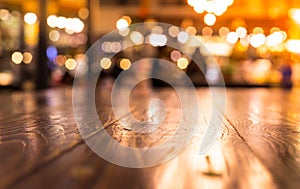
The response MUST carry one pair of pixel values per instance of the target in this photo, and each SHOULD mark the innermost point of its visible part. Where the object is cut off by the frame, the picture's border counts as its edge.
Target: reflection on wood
(40, 146)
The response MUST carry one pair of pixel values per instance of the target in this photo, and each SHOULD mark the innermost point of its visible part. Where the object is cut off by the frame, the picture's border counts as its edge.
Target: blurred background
(255, 42)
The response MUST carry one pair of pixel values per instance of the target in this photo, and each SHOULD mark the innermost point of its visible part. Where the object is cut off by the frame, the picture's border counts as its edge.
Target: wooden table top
(40, 146)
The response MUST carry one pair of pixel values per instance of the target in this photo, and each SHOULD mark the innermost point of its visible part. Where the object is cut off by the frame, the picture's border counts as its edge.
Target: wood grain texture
(40, 146)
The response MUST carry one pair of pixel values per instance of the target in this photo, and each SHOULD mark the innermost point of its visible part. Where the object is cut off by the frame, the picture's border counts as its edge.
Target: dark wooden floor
(40, 146)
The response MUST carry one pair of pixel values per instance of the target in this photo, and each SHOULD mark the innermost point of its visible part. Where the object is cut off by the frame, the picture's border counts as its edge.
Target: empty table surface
(259, 145)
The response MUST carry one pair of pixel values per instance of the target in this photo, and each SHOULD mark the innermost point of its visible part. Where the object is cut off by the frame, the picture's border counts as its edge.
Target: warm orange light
(207, 31)
(191, 30)
(258, 30)
(27, 57)
(125, 64)
(210, 19)
(223, 31)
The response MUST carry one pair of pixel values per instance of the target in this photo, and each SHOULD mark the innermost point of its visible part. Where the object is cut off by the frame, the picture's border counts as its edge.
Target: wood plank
(29, 141)
(269, 126)
(258, 148)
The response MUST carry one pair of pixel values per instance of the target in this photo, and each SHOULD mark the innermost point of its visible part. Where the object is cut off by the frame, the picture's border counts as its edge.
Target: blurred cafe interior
(255, 42)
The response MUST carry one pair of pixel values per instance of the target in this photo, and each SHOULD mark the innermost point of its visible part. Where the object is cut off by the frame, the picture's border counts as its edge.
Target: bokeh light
(207, 31)
(70, 64)
(257, 40)
(175, 55)
(51, 21)
(125, 64)
(105, 63)
(223, 31)
(4, 14)
(27, 57)
(232, 37)
(17, 57)
(182, 63)
(183, 37)
(83, 13)
(137, 38)
(30, 18)
(173, 31)
(54, 35)
(241, 31)
(122, 24)
(210, 19)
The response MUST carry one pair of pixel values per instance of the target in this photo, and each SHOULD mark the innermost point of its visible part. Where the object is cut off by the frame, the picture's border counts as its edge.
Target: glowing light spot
(173, 31)
(27, 57)
(284, 34)
(232, 37)
(30, 18)
(183, 37)
(83, 13)
(223, 31)
(293, 45)
(192, 2)
(70, 64)
(54, 35)
(105, 63)
(6, 78)
(51, 52)
(60, 60)
(191, 30)
(157, 40)
(69, 27)
(212, 75)
(295, 15)
(241, 31)
(157, 30)
(207, 31)
(78, 25)
(219, 9)
(61, 22)
(199, 8)
(175, 55)
(209, 6)
(229, 2)
(274, 29)
(257, 40)
(122, 24)
(182, 63)
(116, 47)
(137, 38)
(274, 39)
(210, 19)
(17, 57)
(258, 30)
(4, 14)
(124, 32)
(127, 18)
(125, 64)
(106, 46)
(51, 21)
